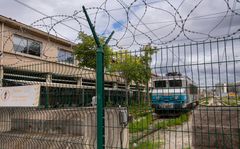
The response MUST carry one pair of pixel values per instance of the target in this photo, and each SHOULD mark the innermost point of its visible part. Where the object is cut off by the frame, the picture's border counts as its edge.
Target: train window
(160, 84)
(175, 83)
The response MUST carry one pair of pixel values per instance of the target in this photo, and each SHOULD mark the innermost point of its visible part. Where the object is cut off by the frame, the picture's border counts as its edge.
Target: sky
(136, 23)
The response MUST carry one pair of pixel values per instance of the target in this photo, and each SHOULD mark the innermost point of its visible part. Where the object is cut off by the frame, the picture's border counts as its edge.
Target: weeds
(172, 122)
(140, 124)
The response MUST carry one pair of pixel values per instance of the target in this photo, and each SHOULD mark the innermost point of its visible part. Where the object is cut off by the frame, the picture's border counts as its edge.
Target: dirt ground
(177, 137)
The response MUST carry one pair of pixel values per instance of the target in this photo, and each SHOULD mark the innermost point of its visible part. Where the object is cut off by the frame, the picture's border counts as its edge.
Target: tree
(86, 51)
(147, 59)
(133, 68)
(124, 64)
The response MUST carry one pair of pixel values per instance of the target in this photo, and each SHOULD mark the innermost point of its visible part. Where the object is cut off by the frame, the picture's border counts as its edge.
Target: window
(65, 56)
(175, 83)
(160, 84)
(25, 45)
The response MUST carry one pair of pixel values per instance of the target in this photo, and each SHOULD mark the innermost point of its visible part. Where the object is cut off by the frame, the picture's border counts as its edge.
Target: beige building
(31, 56)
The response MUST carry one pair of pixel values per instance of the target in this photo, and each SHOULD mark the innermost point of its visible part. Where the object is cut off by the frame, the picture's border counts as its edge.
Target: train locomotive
(173, 92)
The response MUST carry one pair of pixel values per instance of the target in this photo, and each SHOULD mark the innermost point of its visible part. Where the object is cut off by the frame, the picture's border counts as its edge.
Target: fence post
(99, 85)
(1, 74)
(1, 56)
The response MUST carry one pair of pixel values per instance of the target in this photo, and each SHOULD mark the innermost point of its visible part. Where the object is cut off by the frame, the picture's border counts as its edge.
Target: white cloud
(154, 22)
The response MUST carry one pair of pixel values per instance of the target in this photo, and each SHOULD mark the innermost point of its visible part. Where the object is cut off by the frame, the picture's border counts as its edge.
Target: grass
(147, 145)
(144, 122)
(140, 124)
(231, 101)
(137, 110)
(172, 122)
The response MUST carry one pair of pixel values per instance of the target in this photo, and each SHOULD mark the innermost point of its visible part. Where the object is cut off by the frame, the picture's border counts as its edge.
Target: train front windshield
(168, 84)
(160, 84)
(168, 88)
(175, 83)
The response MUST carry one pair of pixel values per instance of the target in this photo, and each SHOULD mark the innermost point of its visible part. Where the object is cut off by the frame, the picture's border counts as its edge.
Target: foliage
(128, 66)
(132, 67)
(86, 51)
(231, 101)
(109, 103)
(172, 122)
(140, 124)
(148, 51)
(136, 112)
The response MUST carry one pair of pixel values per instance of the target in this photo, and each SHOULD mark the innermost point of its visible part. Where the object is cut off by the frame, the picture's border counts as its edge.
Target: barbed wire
(133, 20)
(133, 28)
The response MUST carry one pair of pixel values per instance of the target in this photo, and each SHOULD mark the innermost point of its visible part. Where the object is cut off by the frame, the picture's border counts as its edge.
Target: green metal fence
(142, 119)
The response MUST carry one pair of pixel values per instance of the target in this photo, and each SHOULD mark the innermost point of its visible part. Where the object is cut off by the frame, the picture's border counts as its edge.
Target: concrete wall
(76, 126)
(216, 127)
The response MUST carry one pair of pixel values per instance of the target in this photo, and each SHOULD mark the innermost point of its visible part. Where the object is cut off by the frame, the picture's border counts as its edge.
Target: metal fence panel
(152, 96)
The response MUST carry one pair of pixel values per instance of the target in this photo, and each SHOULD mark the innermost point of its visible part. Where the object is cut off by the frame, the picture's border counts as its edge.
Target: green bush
(172, 122)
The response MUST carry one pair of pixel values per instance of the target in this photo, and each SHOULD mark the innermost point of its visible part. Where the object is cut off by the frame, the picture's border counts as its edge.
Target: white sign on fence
(20, 96)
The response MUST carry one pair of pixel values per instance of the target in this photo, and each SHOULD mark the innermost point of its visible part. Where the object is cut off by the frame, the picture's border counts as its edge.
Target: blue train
(173, 92)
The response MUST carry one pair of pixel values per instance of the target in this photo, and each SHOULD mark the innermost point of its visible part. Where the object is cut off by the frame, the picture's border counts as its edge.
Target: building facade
(30, 56)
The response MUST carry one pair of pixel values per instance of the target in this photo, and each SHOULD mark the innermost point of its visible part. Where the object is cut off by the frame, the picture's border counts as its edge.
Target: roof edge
(37, 32)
